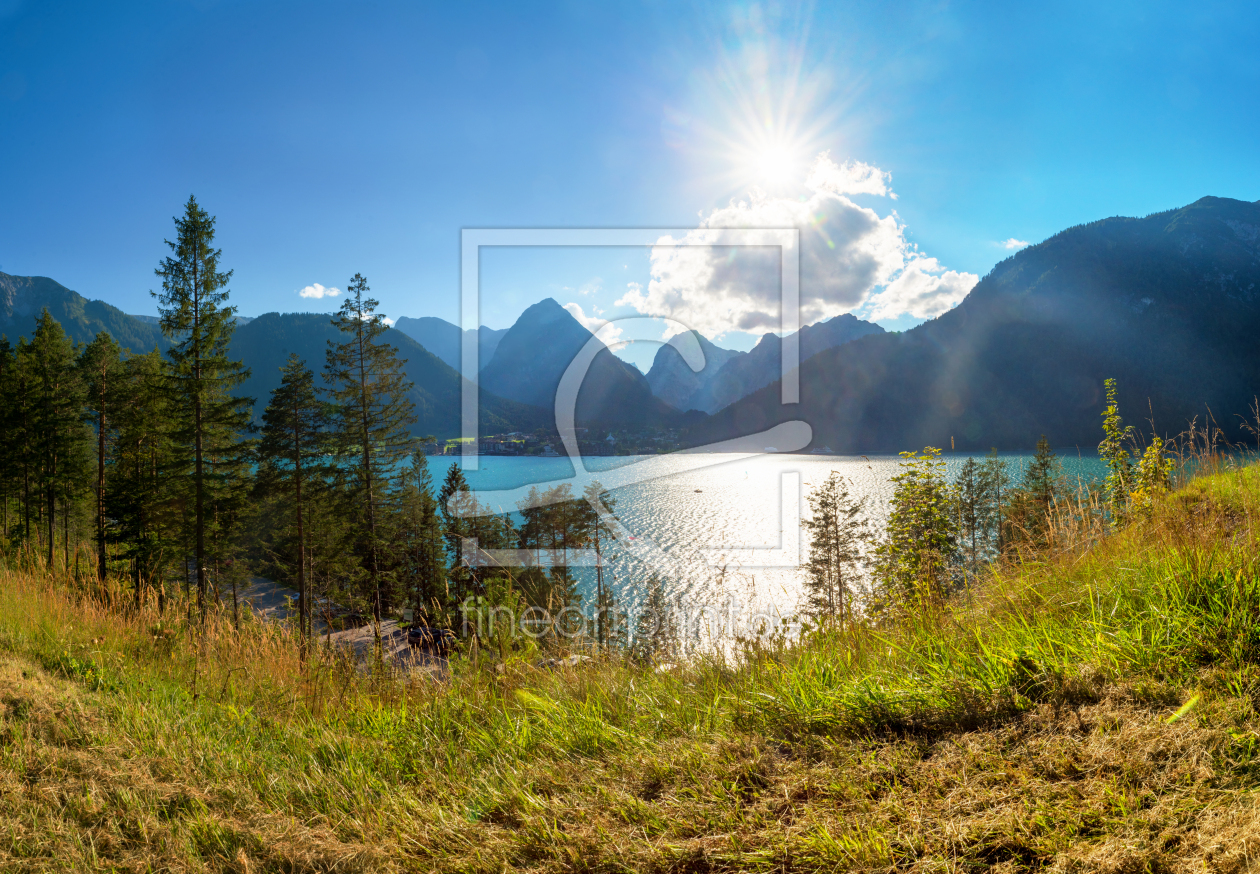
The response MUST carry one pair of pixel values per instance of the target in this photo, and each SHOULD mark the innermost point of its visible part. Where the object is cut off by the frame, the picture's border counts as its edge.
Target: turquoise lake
(722, 531)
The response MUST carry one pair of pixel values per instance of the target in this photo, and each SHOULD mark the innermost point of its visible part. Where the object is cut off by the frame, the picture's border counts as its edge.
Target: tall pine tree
(141, 493)
(837, 528)
(101, 365)
(59, 437)
(292, 448)
(197, 320)
(372, 417)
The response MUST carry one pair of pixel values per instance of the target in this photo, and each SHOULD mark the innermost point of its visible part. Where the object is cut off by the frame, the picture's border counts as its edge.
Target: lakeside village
(642, 441)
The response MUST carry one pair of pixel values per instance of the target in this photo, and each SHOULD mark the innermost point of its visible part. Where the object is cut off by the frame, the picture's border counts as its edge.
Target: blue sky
(335, 138)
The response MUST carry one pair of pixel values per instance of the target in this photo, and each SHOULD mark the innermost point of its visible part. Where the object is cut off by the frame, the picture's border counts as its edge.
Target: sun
(774, 166)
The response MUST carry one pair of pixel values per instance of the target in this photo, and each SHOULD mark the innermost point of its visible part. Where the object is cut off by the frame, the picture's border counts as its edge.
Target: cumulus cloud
(850, 257)
(923, 289)
(851, 177)
(318, 292)
(593, 323)
(1013, 243)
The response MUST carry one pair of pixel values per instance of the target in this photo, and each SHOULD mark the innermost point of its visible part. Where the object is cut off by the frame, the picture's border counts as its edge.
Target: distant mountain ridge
(266, 341)
(23, 298)
(263, 344)
(675, 383)
(446, 340)
(1168, 304)
(533, 355)
(728, 376)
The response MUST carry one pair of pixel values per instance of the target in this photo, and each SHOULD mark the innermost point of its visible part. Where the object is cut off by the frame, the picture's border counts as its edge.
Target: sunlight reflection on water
(733, 502)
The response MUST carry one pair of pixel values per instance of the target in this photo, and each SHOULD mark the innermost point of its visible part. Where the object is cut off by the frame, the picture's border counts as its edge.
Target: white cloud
(851, 177)
(850, 257)
(1013, 243)
(923, 289)
(593, 323)
(318, 292)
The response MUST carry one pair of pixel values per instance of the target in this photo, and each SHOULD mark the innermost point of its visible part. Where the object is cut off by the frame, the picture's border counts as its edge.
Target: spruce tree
(421, 543)
(373, 413)
(971, 500)
(1039, 487)
(21, 403)
(837, 528)
(291, 450)
(199, 323)
(101, 365)
(913, 564)
(8, 444)
(59, 437)
(995, 480)
(141, 496)
(597, 515)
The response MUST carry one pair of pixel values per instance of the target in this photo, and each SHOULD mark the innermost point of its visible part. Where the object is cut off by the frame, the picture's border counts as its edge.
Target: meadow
(1088, 707)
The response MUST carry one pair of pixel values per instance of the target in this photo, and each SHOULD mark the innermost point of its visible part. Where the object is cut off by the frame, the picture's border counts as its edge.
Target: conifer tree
(8, 443)
(140, 493)
(59, 437)
(913, 563)
(598, 522)
(972, 503)
(20, 404)
(291, 450)
(199, 323)
(837, 528)
(373, 413)
(994, 484)
(101, 366)
(454, 499)
(421, 541)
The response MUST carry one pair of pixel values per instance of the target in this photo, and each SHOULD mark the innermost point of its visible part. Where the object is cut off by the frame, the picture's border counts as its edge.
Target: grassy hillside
(1090, 709)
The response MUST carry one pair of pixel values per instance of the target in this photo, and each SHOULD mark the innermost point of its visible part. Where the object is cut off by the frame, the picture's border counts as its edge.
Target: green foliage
(838, 529)
(371, 415)
(291, 452)
(419, 545)
(1153, 476)
(209, 420)
(914, 563)
(101, 366)
(55, 429)
(144, 498)
(1115, 452)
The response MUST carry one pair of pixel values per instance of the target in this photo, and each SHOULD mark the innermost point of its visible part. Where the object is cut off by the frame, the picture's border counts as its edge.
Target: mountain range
(1169, 305)
(445, 340)
(728, 376)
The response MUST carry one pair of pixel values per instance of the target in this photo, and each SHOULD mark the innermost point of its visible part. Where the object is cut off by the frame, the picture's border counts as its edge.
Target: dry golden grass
(1090, 709)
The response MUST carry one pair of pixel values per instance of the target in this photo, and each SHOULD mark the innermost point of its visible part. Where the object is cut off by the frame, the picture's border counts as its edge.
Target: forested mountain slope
(23, 298)
(445, 340)
(1168, 304)
(266, 342)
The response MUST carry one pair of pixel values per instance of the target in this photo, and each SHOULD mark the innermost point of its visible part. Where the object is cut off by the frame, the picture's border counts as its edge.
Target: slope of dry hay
(1110, 785)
